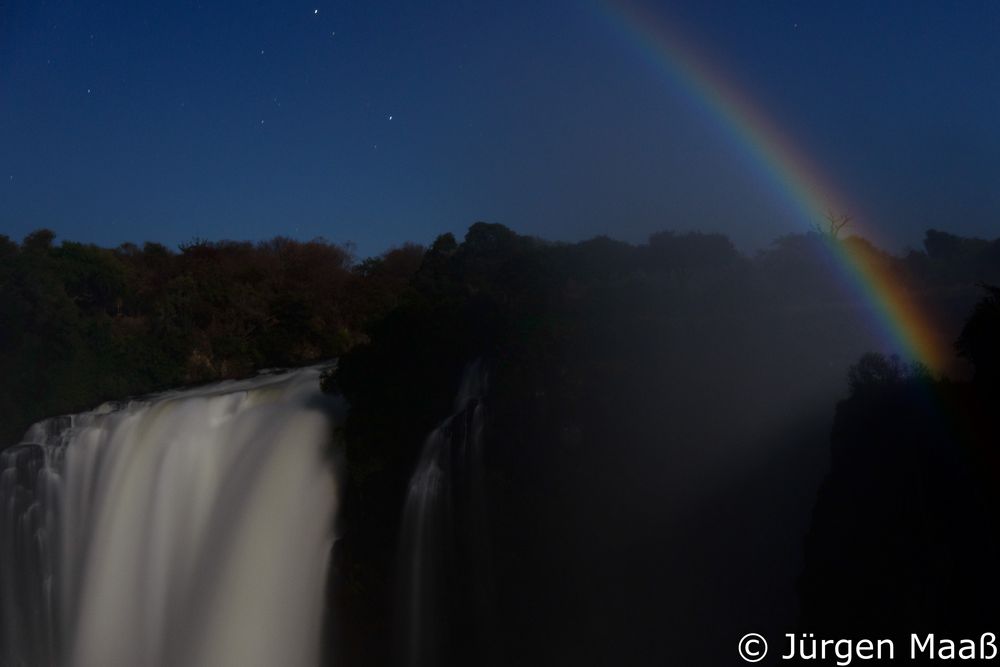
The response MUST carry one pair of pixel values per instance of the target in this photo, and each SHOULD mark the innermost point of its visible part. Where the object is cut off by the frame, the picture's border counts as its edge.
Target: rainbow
(795, 178)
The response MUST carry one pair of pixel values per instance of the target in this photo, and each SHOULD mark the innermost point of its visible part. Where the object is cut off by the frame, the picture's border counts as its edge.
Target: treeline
(80, 324)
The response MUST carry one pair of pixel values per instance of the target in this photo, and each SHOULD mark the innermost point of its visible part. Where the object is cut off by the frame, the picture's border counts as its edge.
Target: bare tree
(834, 224)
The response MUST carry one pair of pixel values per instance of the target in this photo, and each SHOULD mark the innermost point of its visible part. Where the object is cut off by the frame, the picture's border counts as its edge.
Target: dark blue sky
(381, 121)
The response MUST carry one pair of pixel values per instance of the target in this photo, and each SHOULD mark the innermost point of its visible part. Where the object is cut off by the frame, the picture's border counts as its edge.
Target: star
(315, 11)
(390, 116)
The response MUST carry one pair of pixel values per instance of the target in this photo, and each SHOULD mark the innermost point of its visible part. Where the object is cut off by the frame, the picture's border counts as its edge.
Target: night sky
(380, 121)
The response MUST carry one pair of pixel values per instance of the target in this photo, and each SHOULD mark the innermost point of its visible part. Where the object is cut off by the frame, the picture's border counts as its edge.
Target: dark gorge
(495, 450)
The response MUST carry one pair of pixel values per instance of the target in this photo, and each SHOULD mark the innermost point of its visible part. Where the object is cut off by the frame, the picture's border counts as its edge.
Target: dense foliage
(80, 324)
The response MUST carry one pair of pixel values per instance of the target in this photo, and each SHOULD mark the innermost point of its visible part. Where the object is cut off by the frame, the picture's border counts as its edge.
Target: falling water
(191, 528)
(444, 566)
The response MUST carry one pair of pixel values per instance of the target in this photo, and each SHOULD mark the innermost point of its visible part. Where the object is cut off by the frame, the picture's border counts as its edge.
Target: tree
(980, 338)
(834, 224)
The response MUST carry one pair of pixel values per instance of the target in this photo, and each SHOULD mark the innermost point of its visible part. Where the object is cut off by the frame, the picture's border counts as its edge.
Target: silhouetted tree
(979, 339)
(833, 224)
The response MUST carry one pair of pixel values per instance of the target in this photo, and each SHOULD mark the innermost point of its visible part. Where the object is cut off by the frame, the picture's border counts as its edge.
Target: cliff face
(659, 421)
(904, 533)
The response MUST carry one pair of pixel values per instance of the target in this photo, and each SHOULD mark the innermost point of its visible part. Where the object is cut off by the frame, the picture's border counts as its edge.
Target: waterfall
(444, 572)
(191, 528)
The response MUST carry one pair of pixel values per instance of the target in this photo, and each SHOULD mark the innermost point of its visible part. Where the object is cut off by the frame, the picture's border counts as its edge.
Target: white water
(188, 529)
(444, 556)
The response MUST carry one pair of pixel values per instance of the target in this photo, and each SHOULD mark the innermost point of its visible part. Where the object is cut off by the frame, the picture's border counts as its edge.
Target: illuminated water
(191, 528)
(444, 546)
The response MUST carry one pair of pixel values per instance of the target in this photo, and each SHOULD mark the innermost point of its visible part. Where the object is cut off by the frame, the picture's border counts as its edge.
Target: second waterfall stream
(444, 569)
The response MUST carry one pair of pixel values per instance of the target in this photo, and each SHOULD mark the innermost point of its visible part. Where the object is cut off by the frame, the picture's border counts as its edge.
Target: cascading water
(445, 574)
(192, 529)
